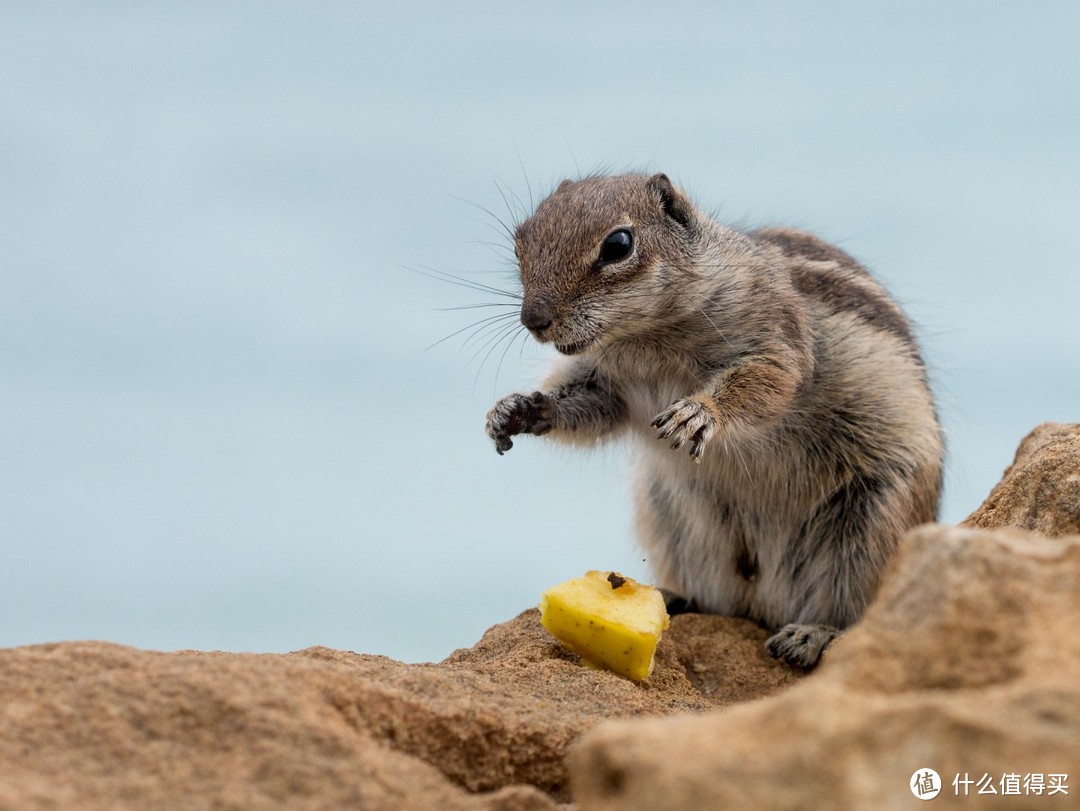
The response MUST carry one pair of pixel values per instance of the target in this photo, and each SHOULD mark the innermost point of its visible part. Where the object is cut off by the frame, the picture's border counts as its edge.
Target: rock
(98, 726)
(967, 662)
(1041, 490)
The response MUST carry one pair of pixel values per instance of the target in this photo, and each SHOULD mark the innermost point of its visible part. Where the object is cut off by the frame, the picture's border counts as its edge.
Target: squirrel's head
(599, 255)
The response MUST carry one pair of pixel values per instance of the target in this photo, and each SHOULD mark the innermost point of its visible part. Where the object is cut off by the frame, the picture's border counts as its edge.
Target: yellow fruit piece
(610, 621)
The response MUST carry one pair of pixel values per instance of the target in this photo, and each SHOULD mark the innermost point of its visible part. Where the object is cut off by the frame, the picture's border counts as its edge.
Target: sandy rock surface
(1041, 490)
(90, 725)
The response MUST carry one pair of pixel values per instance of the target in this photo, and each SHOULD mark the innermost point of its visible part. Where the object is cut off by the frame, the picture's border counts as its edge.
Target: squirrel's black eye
(617, 245)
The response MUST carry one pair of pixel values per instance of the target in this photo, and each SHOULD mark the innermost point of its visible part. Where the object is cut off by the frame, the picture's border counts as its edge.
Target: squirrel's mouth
(573, 348)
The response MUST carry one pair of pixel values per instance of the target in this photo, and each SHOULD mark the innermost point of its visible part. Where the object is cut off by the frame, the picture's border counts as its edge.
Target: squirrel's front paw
(519, 414)
(686, 420)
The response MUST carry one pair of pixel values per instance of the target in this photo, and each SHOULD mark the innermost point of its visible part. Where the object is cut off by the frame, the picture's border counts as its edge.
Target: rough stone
(92, 725)
(1041, 489)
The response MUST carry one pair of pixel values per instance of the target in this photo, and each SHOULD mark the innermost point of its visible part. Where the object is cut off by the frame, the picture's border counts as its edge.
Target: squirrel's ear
(672, 201)
(564, 184)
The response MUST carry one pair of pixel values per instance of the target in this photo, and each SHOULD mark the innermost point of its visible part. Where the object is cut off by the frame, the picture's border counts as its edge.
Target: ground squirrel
(800, 439)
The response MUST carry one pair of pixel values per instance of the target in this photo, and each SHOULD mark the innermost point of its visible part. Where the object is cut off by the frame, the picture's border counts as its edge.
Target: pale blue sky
(219, 426)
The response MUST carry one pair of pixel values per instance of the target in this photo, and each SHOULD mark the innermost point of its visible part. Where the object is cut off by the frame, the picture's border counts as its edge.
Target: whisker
(483, 332)
(477, 325)
(573, 157)
(477, 306)
(718, 332)
(443, 276)
(492, 333)
(511, 333)
(507, 194)
(525, 175)
(499, 249)
(524, 343)
(493, 227)
(498, 367)
(509, 231)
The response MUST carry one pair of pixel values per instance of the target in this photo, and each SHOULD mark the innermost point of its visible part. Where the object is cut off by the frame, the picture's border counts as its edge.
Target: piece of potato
(610, 621)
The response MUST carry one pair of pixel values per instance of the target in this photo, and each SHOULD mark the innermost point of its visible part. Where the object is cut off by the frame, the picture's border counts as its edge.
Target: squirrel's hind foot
(801, 645)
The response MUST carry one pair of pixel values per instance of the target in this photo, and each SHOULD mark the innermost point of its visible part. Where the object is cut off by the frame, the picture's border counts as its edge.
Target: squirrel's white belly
(722, 529)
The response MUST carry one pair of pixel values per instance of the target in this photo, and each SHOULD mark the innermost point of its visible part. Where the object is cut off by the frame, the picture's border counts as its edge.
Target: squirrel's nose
(537, 315)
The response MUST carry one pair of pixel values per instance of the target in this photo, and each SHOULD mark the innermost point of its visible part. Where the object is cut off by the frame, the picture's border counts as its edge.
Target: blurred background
(221, 424)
